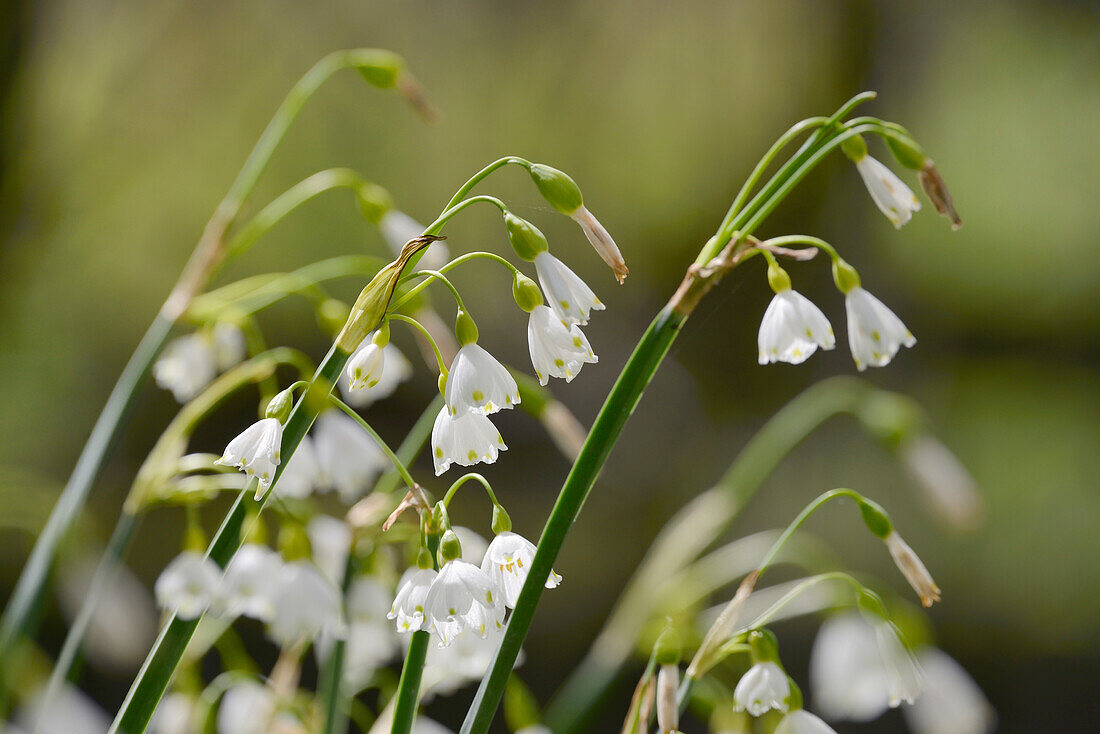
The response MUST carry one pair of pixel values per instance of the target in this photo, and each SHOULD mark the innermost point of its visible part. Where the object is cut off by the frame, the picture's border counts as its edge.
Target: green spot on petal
(472, 456)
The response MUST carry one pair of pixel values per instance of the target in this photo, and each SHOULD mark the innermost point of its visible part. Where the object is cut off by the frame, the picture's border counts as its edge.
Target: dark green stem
(408, 689)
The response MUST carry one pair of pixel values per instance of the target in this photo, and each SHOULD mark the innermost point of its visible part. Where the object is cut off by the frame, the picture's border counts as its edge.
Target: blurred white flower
(229, 345)
(301, 473)
(397, 370)
(456, 591)
(70, 711)
(792, 329)
(330, 539)
(175, 714)
(803, 722)
(557, 349)
(603, 243)
(348, 458)
(506, 563)
(903, 678)
(764, 686)
(570, 298)
(464, 439)
(398, 228)
(948, 486)
(187, 365)
(251, 583)
(246, 708)
(875, 333)
(256, 452)
(306, 604)
(465, 660)
(891, 195)
(188, 584)
(952, 703)
(408, 606)
(479, 383)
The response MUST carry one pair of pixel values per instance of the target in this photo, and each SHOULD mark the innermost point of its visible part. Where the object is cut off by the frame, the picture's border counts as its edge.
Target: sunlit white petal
(875, 333)
(256, 452)
(890, 194)
(557, 349)
(408, 605)
(803, 722)
(507, 562)
(765, 686)
(603, 243)
(479, 383)
(464, 439)
(570, 298)
(792, 329)
(456, 590)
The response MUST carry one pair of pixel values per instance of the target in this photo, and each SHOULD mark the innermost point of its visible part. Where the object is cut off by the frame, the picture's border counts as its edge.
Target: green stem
(483, 173)
(429, 276)
(462, 480)
(152, 679)
(800, 520)
(409, 294)
(427, 335)
(331, 678)
(791, 595)
(408, 689)
(28, 589)
(397, 463)
(453, 209)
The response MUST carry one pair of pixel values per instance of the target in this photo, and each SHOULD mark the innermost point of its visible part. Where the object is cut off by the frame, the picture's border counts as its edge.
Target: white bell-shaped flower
(903, 677)
(569, 296)
(557, 349)
(397, 370)
(229, 344)
(792, 329)
(891, 195)
(801, 721)
(306, 605)
(301, 474)
(348, 457)
(951, 703)
(875, 333)
(765, 686)
(408, 606)
(479, 383)
(330, 541)
(251, 583)
(507, 561)
(246, 708)
(187, 365)
(188, 585)
(846, 670)
(398, 228)
(366, 367)
(175, 714)
(464, 439)
(256, 452)
(454, 593)
(602, 242)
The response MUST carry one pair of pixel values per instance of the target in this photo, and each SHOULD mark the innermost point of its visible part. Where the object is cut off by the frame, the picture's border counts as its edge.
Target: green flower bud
(501, 522)
(778, 278)
(374, 201)
(794, 701)
(526, 292)
(382, 336)
(441, 383)
(449, 547)
(372, 302)
(294, 542)
(559, 190)
(875, 517)
(381, 68)
(525, 237)
(844, 275)
(668, 648)
(763, 646)
(905, 150)
(424, 558)
(465, 329)
(855, 148)
(332, 314)
(280, 405)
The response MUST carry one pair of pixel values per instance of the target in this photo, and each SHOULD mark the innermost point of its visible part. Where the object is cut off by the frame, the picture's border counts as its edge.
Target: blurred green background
(124, 123)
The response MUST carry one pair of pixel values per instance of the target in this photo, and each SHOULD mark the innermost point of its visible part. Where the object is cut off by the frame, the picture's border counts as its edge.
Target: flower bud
(855, 148)
(764, 647)
(441, 383)
(912, 568)
(372, 302)
(844, 275)
(905, 149)
(871, 606)
(380, 68)
(465, 329)
(374, 201)
(424, 558)
(449, 547)
(875, 518)
(280, 405)
(526, 292)
(778, 278)
(559, 190)
(502, 523)
(525, 237)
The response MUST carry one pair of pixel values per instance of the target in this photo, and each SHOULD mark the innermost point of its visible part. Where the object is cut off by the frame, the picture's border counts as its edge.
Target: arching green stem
(397, 463)
(427, 335)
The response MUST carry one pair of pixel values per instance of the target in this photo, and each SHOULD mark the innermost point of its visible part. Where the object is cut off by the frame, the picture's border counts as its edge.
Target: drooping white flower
(187, 365)
(846, 670)
(952, 703)
(801, 721)
(229, 344)
(188, 584)
(301, 473)
(398, 228)
(251, 583)
(507, 561)
(256, 452)
(371, 643)
(306, 604)
(891, 195)
(911, 566)
(570, 298)
(67, 711)
(603, 243)
(875, 333)
(557, 349)
(473, 545)
(464, 439)
(397, 370)
(449, 605)
(348, 457)
(408, 606)
(949, 488)
(903, 677)
(765, 686)
(246, 708)
(330, 540)
(175, 714)
(792, 329)
(366, 366)
(479, 383)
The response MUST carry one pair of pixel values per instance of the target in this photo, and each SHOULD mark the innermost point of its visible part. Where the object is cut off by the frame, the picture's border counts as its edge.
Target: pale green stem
(482, 174)
(429, 276)
(397, 463)
(427, 335)
(465, 478)
(801, 519)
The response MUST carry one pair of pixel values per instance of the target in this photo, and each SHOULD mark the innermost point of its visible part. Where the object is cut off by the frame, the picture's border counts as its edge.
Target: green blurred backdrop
(124, 122)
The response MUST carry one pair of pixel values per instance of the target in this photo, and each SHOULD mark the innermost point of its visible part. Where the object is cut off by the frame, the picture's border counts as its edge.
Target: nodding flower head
(875, 333)
(479, 383)
(569, 296)
(792, 329)
(256, 452)
(557, 349)
(464, 439)
(507, 562)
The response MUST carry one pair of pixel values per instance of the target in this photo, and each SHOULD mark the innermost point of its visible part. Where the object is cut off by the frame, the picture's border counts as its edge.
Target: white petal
(557, 349)
(846, 670)
(349, 458)
(792, 329)
(952, 703)
(890, 194)
(802, 722)
(570, 298)
(188, 585)
(464, 439)
(186, 366)
(875, 333)
(256, 451)
(397, 370)
(479, 383)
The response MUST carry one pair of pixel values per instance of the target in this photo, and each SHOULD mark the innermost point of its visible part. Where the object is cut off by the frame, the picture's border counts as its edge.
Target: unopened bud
(424, 558)
(525, 237)
(844, 275)
(668, 648)
(280, 405)
(526, 292)
(380, 67)
(449, 547)
(372, 302)
(905, 149)
(668, 712)
(855, 148)
(936, 190)
(875, 518)
(559, 190)
(465, 328)
(778, 278)
(502, 523)
(763, 646)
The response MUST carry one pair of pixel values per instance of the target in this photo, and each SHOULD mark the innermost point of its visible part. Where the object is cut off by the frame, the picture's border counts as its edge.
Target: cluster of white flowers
(295, 599)
(190, 363)
(464, 596)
